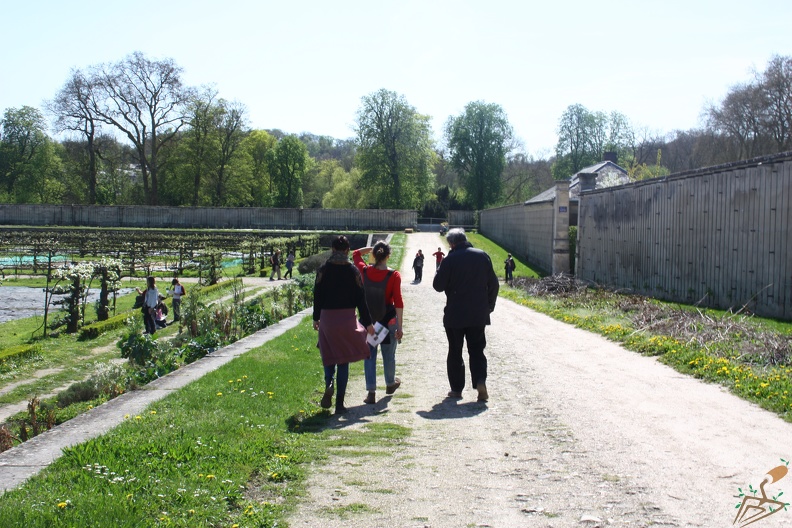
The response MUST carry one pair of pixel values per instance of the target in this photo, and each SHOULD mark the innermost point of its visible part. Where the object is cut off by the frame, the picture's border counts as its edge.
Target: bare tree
(146, 101)
(73, 111)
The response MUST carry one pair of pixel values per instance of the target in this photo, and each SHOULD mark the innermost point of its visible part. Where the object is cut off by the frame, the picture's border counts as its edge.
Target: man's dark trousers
(476, 341)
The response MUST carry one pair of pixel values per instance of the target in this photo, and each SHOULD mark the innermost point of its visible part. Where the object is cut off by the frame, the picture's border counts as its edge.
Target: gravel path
(577, 432)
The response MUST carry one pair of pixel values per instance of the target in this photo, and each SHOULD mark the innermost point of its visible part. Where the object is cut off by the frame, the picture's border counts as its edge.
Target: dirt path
(578, 432)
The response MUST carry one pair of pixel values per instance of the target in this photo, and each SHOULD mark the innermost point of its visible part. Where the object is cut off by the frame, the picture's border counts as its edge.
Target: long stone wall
(530, 231)
(206, 217)
(720, 236)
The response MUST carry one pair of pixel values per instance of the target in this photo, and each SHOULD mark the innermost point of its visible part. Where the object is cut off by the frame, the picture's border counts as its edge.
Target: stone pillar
(561, 229)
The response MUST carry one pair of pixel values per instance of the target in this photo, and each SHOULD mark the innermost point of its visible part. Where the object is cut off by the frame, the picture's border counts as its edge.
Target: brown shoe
(371, 399)
(482, 392)
(390, 389)
(455, 395)
(327, 398)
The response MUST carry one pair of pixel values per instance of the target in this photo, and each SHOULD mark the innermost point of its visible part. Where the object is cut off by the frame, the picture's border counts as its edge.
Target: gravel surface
(577, 432)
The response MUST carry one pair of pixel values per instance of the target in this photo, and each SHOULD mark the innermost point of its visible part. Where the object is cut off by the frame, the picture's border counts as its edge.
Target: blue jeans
(388, 362)
(341, 379)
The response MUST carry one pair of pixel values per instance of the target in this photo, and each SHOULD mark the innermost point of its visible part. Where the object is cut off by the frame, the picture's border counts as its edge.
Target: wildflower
(219, 393)
(126, 417)
(270, 394)
(210, 477)
(138, 417)
(153, 412)
(190, 511)
(243, 390)
(62, 505)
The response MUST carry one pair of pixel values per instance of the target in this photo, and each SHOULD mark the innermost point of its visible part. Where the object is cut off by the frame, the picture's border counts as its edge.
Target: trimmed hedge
(94, 330)
(19, 351)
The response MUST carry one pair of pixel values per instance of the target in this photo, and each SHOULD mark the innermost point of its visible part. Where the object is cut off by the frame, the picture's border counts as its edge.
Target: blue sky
(302, 66)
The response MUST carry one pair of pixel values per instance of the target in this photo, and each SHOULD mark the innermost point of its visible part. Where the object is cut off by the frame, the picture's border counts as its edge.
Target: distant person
(177, 291)
(275, 262)
(438, 255)
(150, 300)
(160, 311)
(417, 265)
(289, 265)
(509, 266)
(384, 299)
(338, 290)
(471, 287)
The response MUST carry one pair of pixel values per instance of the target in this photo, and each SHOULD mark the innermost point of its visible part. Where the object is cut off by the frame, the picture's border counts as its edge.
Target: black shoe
(327, 398)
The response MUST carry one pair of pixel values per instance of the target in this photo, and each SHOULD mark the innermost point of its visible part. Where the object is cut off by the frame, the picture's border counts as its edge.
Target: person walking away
(289, 265)
(384, 299)
(150, 301)
(438, 255)
(276, 264)
(177, 292)
(471, 287)
(338, 290)
(418, 263)
(509, 265)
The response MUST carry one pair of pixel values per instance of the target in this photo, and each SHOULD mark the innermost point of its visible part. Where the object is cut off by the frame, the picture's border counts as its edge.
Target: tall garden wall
(536, 232)
(205, 217)
(719, 235)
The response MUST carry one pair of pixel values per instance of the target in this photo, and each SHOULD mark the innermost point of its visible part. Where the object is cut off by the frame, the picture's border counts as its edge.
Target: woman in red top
(384, 299)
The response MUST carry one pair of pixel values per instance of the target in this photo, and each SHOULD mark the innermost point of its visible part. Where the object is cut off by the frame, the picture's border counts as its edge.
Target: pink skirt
(342, 339)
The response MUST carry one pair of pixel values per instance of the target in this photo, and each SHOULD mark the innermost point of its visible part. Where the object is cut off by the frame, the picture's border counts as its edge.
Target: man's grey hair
(456, 236)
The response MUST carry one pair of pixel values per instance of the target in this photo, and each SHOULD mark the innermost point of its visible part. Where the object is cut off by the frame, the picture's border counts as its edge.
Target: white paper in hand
(379, 335)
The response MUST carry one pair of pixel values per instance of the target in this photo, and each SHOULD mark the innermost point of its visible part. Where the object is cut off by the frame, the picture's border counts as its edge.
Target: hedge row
(19, 351)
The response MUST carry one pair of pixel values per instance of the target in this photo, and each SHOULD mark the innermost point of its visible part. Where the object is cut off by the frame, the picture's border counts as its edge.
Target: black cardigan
(339, 285)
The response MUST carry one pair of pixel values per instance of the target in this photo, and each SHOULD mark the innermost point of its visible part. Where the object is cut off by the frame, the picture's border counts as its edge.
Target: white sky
(302, 66)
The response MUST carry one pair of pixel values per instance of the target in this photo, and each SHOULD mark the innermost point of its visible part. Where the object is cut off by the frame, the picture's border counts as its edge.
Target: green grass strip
(227, 449)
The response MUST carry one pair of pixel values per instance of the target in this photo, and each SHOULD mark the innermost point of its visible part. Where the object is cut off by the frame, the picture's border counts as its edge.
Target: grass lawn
(498, 256)
(228, 449)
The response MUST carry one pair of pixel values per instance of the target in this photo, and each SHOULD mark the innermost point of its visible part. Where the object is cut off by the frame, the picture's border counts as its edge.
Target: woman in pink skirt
(338, 291)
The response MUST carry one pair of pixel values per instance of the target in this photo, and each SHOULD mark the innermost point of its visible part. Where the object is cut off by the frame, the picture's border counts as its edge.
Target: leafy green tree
(230, 132)
(345, 192)
(319, 181)
(584, 136)
(287, 163)
(255, 147)
(479, 140)
(21, 143)
(395, 151)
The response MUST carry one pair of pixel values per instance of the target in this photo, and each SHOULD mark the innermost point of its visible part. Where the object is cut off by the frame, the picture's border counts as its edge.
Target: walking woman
(384, 300)
(338, 290)
(150, 300)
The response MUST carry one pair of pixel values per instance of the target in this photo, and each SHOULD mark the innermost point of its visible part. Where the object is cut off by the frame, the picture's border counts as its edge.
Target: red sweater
(392, 289)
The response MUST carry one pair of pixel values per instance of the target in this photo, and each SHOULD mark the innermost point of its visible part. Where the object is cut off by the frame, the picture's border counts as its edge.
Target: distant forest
(133, 133)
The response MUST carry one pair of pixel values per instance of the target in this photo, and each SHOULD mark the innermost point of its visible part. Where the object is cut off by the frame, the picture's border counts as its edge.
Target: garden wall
(719, 235)
(206, 217)
(535, 232)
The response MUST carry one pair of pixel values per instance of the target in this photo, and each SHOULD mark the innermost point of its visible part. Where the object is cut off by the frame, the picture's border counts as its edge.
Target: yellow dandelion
(153, 412)
(126, 417)
(243, 390)
(244, 377)
(210, 477)
(62, 505)
(230, 381)
(138, 417)
(239, 380)
(219, 393)
(190, 511)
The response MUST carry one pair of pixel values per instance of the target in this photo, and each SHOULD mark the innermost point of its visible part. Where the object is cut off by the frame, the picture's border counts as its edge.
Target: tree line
(134, 133)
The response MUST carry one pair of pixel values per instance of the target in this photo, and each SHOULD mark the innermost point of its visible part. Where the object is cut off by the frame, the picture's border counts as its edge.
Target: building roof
(574, 181)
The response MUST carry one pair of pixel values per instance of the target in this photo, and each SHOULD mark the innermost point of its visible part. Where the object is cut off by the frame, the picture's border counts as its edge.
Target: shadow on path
(450, 409)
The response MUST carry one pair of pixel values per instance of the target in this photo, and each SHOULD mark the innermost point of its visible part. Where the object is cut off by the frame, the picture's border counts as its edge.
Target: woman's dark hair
(340, 243)
(381, 251)
(150, 282)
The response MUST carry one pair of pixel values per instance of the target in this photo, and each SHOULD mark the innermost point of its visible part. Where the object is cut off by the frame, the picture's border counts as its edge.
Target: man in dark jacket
(471, 287)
